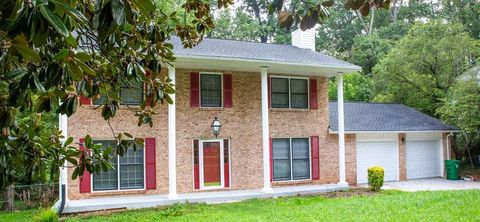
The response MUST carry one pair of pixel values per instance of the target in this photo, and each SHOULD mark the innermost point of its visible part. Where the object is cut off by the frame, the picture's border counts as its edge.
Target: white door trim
(200, 164)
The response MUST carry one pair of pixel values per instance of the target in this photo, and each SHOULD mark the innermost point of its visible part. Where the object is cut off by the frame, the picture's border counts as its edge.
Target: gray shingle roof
(362, 116)
(258, 51)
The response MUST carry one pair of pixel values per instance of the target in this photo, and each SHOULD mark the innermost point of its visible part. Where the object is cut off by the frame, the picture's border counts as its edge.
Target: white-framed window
(289, 92)
(128, 172)
(291, 159)
(129, 95)
(211, 89)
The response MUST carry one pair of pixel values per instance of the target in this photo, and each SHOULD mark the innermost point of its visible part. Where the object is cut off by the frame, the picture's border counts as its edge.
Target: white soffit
(247, 65)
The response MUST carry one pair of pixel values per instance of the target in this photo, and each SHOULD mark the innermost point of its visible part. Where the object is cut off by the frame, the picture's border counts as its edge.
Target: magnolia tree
(52, 52)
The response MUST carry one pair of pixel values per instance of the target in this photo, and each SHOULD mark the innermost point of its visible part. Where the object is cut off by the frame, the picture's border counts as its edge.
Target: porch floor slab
(145, 201)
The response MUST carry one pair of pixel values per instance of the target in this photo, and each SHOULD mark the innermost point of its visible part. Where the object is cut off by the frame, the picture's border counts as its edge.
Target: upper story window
(210, 90)
(291, 159)
(289, 93)
(129, 95)
(128, 171)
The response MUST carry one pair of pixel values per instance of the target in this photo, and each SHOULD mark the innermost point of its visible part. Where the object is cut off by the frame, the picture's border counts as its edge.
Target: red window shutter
(85, 100)
(271, 160)
(227, 91)
(150, 164)
(313, 94)
(315, 158)
(85, 179)
(269, 86)
(196, 169)
(226, 169)
(194, 89)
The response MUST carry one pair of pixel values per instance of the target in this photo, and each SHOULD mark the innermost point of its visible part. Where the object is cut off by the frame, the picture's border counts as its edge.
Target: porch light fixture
(216, 127)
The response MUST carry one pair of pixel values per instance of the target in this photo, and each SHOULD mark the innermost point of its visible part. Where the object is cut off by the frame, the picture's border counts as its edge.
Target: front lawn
(385, 206)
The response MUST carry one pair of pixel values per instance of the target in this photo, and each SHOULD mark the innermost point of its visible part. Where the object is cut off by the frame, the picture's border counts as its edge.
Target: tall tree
(461, 107)
(52, 50)
(422, 67)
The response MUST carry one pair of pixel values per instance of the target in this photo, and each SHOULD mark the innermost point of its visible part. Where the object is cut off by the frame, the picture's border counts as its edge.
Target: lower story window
(128, 171)
(291, 159)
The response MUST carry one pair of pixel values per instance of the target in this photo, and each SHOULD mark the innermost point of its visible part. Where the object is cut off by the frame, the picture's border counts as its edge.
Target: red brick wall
(241, 124)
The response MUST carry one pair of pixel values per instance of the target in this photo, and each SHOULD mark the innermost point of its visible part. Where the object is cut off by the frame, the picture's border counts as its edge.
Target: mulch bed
(353, 192)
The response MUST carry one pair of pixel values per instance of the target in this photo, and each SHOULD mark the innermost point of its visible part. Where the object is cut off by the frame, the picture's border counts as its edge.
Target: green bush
(375, 177)
(47, 215)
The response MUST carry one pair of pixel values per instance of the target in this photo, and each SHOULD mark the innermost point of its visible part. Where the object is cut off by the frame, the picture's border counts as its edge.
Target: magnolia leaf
(85, 68)
(61, 55)
(27, 52)
(118, 11)
(54, 20)
(327, 3)
(365, 9)
(145, 6)
(283, 16)
(85, 57)
(71, 11)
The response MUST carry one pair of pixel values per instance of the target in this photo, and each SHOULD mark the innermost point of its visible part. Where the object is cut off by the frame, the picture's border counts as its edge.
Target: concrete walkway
(143, 201)
(431, 185)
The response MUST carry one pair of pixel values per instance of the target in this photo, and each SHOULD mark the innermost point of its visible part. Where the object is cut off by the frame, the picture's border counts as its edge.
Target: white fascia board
(418, 131)
(253, 65)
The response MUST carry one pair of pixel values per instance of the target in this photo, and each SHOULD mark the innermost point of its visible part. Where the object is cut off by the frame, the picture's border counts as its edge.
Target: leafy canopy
(54, 51)
(423, 65)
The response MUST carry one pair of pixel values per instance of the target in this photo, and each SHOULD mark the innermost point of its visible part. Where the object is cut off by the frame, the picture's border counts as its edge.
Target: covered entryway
(424, 159)
(377, 150)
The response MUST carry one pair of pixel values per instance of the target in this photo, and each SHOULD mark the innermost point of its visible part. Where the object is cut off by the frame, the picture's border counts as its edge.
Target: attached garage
(377, 150)
(407, 143)
(424, 155)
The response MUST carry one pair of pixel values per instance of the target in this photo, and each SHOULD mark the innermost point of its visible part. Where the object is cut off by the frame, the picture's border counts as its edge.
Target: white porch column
(265, 133)
(172, 157)
(341, 131)
(63, 126)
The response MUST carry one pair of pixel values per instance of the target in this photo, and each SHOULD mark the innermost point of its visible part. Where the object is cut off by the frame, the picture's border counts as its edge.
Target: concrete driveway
(431, 184)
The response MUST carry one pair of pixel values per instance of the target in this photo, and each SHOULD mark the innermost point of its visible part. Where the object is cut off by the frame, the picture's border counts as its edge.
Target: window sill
(121, 106)
(288, 110)
(211, 108)
(117, 192)
(291, 182)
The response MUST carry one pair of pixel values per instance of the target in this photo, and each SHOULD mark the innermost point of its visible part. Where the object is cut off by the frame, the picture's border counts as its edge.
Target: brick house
(278, 130)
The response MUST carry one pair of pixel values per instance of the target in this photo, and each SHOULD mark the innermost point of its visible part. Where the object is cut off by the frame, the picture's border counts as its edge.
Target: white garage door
(423, 159)
(377, 153)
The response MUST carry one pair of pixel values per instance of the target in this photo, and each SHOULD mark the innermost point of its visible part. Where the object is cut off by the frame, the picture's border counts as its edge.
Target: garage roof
(233, 49)
(363, 116)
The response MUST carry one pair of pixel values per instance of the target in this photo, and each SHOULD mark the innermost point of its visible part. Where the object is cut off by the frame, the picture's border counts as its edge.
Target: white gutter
(417, 131)
(270, 63)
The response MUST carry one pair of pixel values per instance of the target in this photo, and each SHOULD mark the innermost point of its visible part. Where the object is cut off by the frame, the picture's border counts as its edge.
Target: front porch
(145, 201)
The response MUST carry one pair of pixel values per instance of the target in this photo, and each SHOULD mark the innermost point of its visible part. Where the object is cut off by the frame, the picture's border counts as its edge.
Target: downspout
(60, 205)
(448, 146)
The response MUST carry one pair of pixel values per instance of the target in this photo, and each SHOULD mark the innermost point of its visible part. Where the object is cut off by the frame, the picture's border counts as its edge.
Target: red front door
(211, 164)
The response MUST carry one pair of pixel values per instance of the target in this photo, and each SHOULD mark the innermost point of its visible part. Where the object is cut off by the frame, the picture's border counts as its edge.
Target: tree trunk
(372, 17)
(469, 155)
(10, 197)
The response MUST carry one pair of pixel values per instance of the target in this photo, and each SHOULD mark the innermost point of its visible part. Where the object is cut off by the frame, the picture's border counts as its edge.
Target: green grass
(386, 206)
(18, 216)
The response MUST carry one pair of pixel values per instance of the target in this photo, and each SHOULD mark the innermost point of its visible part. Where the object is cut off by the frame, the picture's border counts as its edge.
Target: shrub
(375, 177)
(47, 215)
